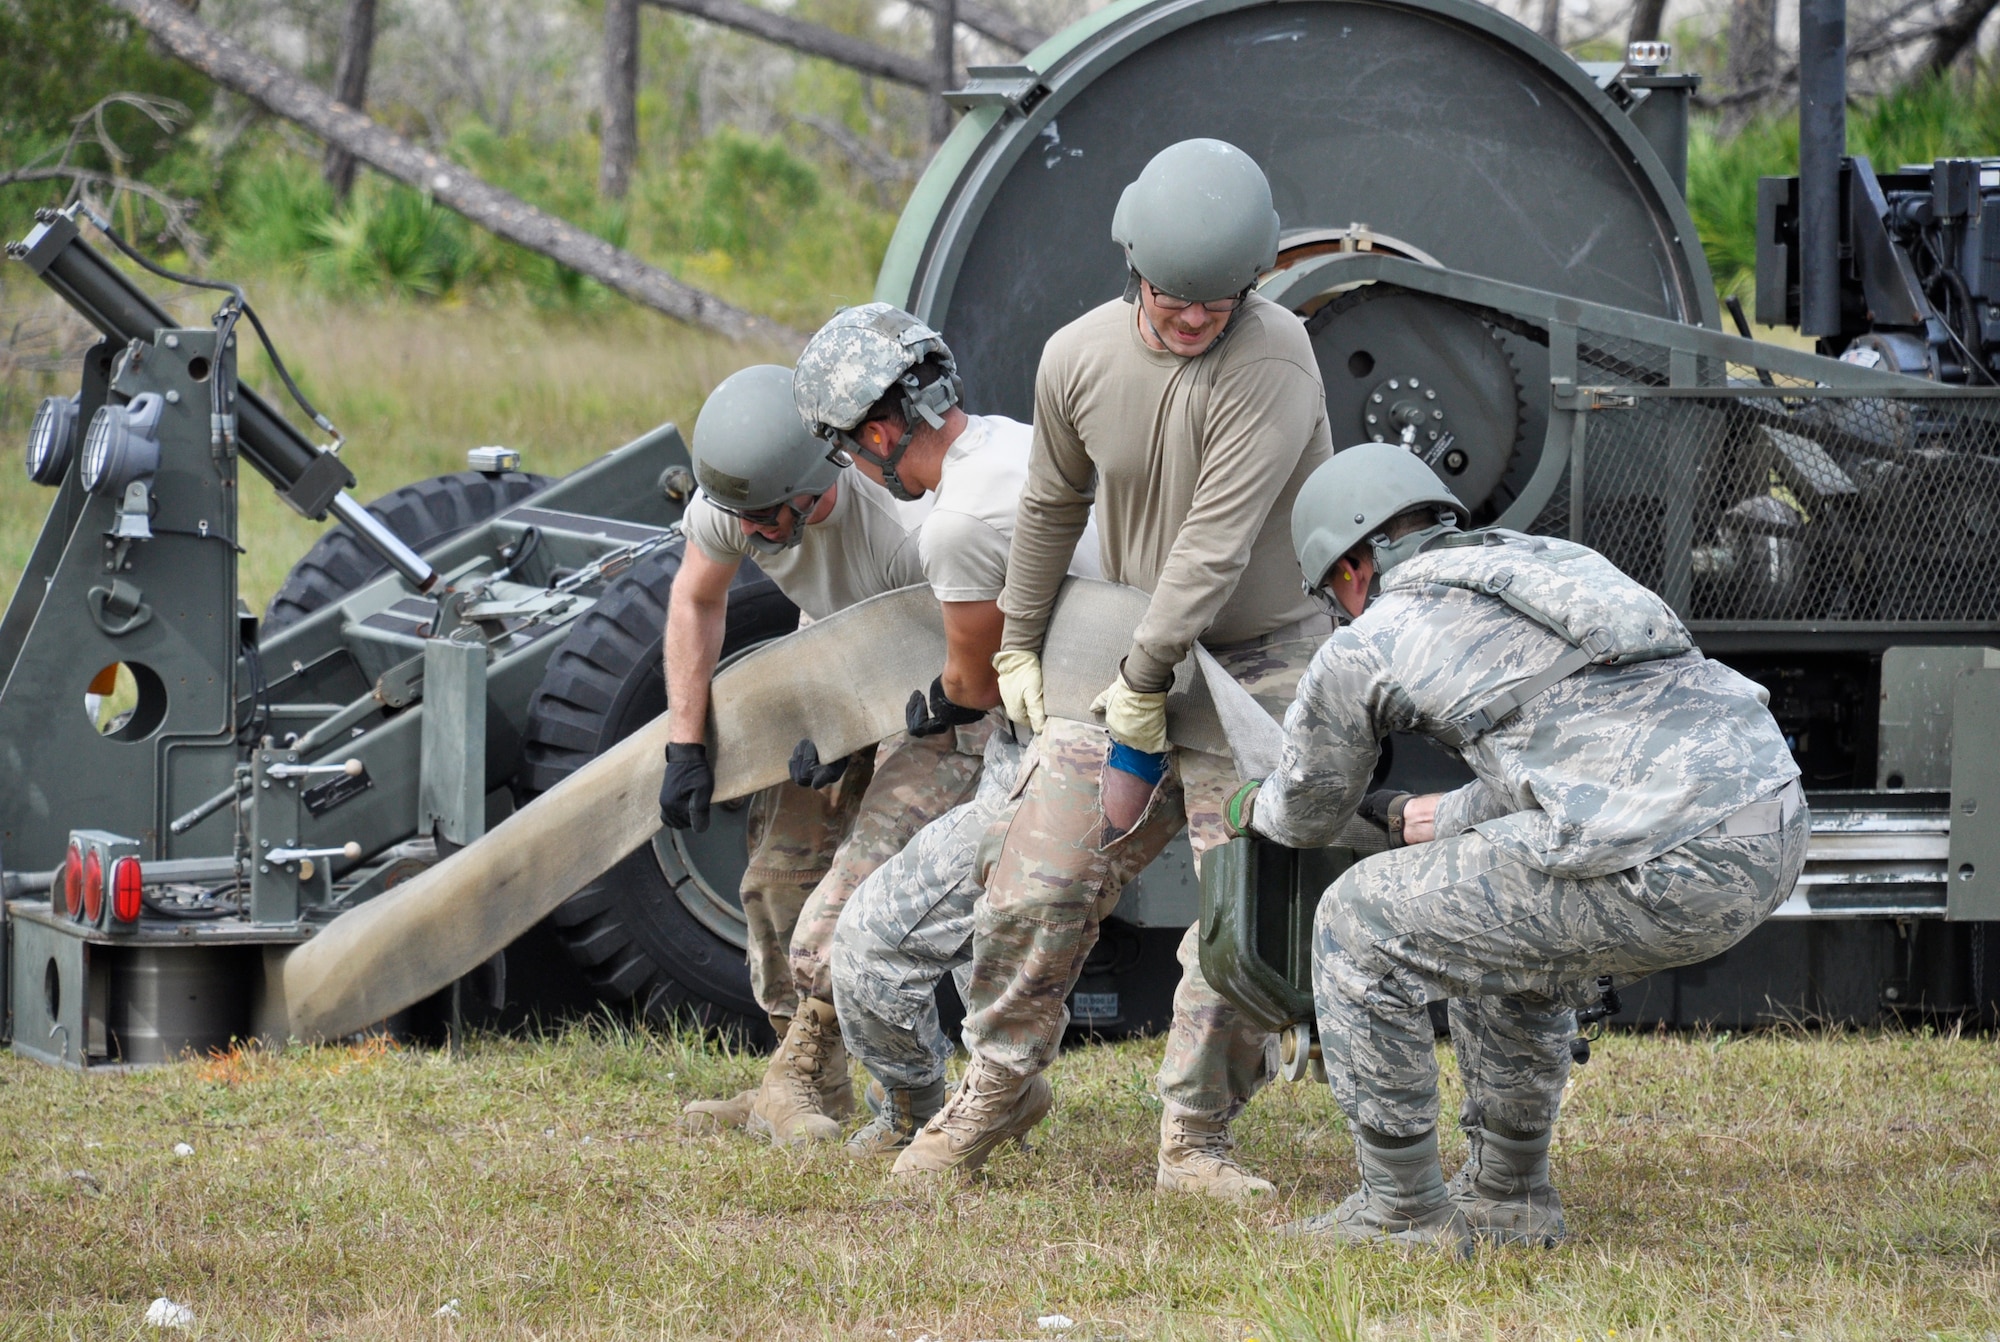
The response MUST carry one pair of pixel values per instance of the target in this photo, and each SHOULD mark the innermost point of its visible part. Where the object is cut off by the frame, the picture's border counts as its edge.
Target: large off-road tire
(422, 514)
(663, 928)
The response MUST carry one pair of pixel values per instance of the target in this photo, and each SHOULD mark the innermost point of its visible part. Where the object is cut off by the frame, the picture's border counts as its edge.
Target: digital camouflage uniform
(1037, 820)
(1628, 819)
(809, 848)
(916, 780)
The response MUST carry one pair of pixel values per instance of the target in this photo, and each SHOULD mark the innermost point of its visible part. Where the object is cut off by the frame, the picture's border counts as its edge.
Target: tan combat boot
(898, 1115)
(708, 1116)
(790, 1107)
(1503, 1190)
(733, 1114)
(1403, 1200)
(1198, 1156)
(988, 1108)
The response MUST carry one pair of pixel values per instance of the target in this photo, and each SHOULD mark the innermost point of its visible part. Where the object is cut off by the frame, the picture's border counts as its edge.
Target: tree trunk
(944, 56)
(350, 86)
(1753, 45)
(999, 25)
(1647, 19)
(505, 215)
(1551, 24)
(618, 147)
(810, 38)
(1958, 32)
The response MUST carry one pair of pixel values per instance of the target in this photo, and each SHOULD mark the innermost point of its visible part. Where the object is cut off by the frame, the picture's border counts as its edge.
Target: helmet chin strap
(887, 462)
(928, 405)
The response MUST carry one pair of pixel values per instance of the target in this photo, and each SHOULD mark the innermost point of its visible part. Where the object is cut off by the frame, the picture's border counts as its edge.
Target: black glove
(688, 787)
(1384, 807)
(807, 771)
(940, 715)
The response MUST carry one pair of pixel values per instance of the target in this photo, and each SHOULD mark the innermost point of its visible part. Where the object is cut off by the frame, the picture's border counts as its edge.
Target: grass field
(1774, 1186)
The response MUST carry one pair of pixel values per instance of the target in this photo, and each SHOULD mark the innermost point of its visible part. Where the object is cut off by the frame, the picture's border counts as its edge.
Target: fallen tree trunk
(999, 25)
(810, 38)
(505, 215)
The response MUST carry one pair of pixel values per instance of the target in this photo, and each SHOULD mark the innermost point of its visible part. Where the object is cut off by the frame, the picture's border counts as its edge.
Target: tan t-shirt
(970, 524)
(864, 548)
(1193, 465)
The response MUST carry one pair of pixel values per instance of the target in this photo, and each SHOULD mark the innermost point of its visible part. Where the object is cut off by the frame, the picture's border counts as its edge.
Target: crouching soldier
(1634, 807)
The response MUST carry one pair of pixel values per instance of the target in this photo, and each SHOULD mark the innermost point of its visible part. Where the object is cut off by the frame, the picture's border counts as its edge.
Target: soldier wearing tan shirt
(1188, 415)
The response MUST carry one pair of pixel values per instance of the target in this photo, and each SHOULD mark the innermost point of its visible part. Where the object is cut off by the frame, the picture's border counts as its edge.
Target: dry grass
(1766, 1187)
(412, 386)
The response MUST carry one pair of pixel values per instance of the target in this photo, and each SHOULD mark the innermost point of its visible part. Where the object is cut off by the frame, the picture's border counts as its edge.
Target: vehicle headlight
(50, 439)
(122, 445)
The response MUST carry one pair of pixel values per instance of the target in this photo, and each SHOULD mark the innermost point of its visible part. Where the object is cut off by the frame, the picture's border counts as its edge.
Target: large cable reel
(1436, 129)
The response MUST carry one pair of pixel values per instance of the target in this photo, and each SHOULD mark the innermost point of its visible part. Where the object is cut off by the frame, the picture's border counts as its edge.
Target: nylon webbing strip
(1462, 732)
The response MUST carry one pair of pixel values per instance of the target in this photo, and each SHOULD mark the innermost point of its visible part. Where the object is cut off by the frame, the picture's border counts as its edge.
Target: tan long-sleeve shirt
(1193, 465)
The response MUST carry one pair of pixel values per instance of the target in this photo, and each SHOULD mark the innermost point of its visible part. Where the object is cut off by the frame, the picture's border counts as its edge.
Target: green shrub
(1937, 118)
(392, 240)
(751, 192)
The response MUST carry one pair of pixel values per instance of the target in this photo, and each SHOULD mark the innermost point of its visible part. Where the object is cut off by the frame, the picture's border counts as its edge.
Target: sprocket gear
(1403, 366)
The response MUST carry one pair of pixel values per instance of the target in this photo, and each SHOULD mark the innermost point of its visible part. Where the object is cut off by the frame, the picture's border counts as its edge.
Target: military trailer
(1491, 249)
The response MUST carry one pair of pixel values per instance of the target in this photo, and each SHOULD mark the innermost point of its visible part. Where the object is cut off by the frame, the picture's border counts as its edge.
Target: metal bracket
(1014, 87)
(118, 609)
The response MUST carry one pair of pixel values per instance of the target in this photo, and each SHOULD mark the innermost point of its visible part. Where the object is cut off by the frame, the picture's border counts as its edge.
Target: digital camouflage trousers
(809, 848)
(910, 923)
(1009, 892)
(1514, 949)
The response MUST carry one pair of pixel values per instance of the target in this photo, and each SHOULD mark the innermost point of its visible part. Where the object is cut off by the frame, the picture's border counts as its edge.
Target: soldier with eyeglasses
(1188, 414)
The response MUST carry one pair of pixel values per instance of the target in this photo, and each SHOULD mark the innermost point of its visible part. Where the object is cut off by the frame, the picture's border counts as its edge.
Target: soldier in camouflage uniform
(828, 538)
(1634, 807)
(912, 921)
(1189, 414)
(877, 389)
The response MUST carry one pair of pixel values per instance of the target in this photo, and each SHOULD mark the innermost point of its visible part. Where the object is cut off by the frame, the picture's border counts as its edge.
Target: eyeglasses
(1167, 302)
(766, 517)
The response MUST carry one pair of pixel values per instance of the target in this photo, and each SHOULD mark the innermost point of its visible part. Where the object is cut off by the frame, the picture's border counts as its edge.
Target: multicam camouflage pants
(1514, 949)
(1049, 881)
(810, 847)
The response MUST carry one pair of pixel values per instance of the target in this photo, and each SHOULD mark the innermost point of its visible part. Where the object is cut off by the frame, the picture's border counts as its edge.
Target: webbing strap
(1462, 732)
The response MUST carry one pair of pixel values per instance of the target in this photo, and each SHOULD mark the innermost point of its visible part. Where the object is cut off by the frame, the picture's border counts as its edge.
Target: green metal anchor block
(1258, 899)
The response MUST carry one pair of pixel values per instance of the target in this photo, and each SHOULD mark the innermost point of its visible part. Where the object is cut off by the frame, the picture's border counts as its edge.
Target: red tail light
(93, 887)
(126, 883)
(72, 886)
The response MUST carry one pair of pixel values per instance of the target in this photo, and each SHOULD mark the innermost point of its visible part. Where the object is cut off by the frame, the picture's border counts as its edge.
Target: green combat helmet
(863, 356)
(752, 457)
(1198, 222)
(1351, 497)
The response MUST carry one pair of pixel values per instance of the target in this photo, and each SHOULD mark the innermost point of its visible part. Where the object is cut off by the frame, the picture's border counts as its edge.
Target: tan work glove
(1021, 687)
(1133, 718)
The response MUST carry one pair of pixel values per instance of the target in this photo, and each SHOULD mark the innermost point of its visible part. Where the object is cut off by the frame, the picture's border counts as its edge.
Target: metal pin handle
(352, 768)
(349, 850)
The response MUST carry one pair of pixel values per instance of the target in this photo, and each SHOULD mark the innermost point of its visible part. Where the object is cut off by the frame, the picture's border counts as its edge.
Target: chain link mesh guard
(1757, 488)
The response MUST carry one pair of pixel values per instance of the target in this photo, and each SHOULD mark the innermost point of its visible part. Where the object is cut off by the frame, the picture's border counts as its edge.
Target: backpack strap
(1462, 732)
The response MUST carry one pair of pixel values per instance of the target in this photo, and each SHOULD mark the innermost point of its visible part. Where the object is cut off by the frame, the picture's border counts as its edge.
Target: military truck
(1491, 249)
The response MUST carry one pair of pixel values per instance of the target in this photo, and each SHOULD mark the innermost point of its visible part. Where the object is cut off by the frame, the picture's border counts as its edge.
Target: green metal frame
(1000, 126)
